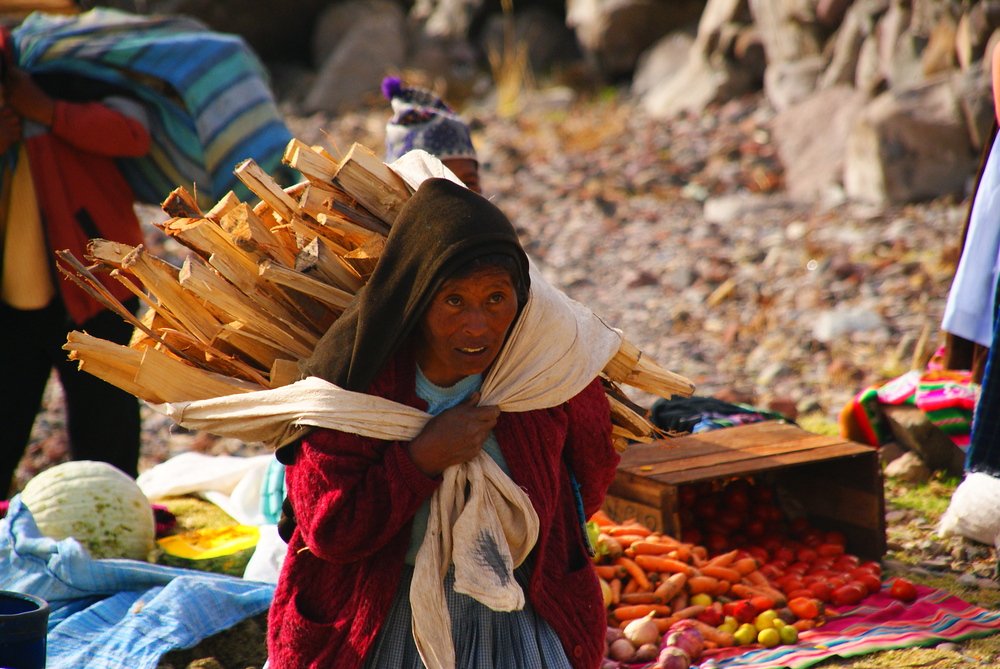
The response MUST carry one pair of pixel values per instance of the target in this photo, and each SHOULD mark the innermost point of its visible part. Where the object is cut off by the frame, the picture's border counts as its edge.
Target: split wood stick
(370, 181)
(284, 372)
(252, 234)
(312, 161)
(237, 337)
(267, 189)
(211, 358)
(228, 202)
(161, 280)
(181, 204)
(317, 259)
(330, 295)
(267, 318)
(114, 363)
(630, 367)
(231, 304)
(173, 381)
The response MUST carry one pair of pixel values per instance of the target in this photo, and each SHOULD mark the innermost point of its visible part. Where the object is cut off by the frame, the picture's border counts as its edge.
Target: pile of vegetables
(758, 589)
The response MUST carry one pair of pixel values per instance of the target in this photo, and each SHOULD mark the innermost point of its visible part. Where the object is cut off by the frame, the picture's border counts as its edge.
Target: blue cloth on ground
(117, 613)
(207, 95)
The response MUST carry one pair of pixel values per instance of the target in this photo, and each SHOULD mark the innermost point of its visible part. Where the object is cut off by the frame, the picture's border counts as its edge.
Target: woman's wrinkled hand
(454, 436)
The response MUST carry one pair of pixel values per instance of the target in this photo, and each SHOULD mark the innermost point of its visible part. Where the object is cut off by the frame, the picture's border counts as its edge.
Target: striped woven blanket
(878, 623)
(207, 94)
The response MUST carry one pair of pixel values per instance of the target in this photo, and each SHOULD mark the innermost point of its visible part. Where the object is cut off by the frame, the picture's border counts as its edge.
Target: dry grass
(510, 67)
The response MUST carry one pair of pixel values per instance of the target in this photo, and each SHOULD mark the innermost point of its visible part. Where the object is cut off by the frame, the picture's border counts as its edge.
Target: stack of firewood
(263, 282)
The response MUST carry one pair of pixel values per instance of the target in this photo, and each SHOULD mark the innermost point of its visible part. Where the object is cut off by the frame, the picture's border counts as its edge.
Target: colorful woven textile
(206, 93)
(878, 623)
(947, 397)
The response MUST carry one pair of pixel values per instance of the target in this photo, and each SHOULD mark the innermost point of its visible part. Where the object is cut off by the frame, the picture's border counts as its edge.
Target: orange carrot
(610, 571)
(745, 565)
(632, 529)
(680, 601)
(651, 548)
(721, 573)
(699, 584)
(663, 564)
(682, 614)
(636, 572)
(682, 552)
(713, 634)
(744, 591)
(616, 590)
(627, 540)
(602, 518)
(723, 559)
(721, 589)
(670, 586)
(625, 612)
(630, 587)
(642, 598)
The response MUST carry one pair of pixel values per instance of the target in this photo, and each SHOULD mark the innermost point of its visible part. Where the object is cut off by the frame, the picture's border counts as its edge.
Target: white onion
(642, 630)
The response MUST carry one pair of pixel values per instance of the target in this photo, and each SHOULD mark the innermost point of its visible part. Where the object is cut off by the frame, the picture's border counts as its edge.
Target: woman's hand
(453, 436)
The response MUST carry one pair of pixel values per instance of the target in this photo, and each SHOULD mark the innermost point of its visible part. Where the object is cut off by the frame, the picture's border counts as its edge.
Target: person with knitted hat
(421, 120)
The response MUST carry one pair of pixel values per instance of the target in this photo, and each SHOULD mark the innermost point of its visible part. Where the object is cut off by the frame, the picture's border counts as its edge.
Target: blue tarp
(117, 613)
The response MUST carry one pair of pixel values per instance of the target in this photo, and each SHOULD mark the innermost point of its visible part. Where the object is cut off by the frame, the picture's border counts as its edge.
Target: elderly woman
(425, 329)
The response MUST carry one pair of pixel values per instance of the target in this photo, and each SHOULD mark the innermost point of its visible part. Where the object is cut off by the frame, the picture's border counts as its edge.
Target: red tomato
(805, 607)
(902, 590)
(830, 549)
(807, 555)
(821, 590)
(871, 582)
(835, 537)
(848, 594)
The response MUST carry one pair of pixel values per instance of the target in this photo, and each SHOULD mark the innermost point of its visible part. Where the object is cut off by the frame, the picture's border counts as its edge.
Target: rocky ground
(679, 234)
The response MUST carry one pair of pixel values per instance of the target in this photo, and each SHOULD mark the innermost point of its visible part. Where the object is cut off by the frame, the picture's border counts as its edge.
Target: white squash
(97, 504)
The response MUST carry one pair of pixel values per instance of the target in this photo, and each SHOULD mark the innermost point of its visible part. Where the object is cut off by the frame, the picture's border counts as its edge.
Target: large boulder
(813, 157)
(910, 144)
(615, 32)
(352, 71)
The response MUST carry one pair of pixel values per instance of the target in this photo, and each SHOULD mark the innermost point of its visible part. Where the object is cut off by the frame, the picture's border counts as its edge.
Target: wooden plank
(622, 509)
(751, 458)
(723, 442)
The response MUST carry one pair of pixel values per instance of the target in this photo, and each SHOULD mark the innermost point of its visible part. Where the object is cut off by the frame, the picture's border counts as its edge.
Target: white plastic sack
(974, 510)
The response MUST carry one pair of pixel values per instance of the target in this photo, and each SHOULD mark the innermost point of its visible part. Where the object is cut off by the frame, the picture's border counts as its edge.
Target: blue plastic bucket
(23, 623)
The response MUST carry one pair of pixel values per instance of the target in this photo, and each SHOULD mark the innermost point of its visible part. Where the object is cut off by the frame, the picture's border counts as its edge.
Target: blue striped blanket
(207, 94)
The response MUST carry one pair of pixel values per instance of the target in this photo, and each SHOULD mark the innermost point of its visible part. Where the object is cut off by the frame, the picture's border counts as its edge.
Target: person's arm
(114, 128)
(353, 495)
(591, 455)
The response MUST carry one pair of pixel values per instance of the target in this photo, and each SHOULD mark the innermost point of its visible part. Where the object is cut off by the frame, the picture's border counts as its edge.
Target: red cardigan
(81, 192)
(354, 500)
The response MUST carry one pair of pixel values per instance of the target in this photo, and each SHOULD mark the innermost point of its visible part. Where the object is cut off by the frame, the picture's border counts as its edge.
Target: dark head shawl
(442, 227)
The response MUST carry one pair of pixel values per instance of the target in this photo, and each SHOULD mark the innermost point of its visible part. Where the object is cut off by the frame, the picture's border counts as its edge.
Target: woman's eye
(453, 300)
(497, 298)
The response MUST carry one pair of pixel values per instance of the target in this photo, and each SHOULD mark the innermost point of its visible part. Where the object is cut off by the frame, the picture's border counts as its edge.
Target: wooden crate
(837, 483)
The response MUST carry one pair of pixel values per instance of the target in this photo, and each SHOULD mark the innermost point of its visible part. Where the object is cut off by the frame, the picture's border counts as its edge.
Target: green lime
(769, 637)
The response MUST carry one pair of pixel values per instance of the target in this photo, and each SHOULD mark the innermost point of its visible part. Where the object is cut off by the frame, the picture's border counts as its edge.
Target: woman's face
(465, 325)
